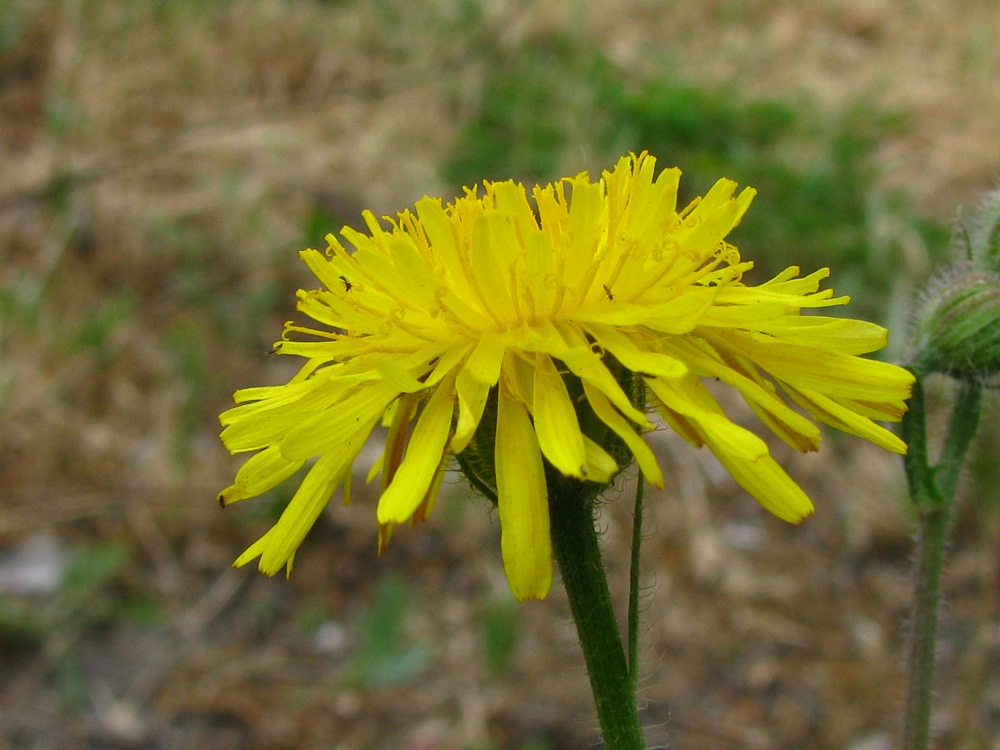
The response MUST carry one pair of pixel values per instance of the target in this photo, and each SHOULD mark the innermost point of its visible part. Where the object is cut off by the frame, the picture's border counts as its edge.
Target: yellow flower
(488, 306)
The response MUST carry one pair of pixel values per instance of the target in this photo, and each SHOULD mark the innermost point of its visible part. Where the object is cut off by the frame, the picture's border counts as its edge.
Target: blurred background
(162, 162)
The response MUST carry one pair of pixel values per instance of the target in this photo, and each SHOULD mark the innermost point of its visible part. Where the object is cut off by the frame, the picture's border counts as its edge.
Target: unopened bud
(959, 325)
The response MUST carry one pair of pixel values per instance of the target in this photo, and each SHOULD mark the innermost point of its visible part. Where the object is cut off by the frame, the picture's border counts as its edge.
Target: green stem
(633, 587)
(574, 543)
(918, 469)
(964, 422)
(932, 535)
(933, 492)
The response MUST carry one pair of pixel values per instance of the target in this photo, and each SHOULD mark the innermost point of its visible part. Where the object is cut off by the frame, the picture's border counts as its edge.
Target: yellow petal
(423, 456)
(266, 415)
(277, 547)
(767, 483)
(512, 199)
(298, 518)
(842, 335)
(556, 424)
(472, 395)
(259, 474)
(395, 437)
(254, 551)
(484, 362)
(420, 283)
(601, 467)
(635, 359)
(586, 213)
(427, 504)
(396, 376)
(447, 362)
(847, 420)
(441, 234)
(675, 316)
(716, 215)
(589, 367)
(518, 375)
(640, 449)
(523, 502)
(539, 270)
(789, 425)
(744, 455)
(491, 252)
(324, 431)
(824, 371)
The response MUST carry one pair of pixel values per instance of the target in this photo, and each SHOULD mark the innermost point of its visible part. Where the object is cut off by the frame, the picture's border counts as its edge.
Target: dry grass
(159, 162)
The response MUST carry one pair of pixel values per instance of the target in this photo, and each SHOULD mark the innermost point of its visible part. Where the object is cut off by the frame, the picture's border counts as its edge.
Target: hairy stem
(574, 542)
(932, 489)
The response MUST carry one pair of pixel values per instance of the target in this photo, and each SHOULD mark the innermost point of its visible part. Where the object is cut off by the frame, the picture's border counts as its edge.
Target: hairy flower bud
(959, 326)
(958, 321)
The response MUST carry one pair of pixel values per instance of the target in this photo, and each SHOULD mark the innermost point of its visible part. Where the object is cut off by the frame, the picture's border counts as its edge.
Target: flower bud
(959, 325)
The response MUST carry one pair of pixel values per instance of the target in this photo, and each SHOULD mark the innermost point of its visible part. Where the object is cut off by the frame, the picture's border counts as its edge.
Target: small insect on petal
(347, 283)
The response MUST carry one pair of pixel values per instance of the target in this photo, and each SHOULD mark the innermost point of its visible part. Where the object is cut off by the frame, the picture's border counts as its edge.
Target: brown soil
(158, 162)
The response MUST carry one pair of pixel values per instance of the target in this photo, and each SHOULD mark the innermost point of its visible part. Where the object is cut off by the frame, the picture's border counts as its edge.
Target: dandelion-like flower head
(489, 315)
